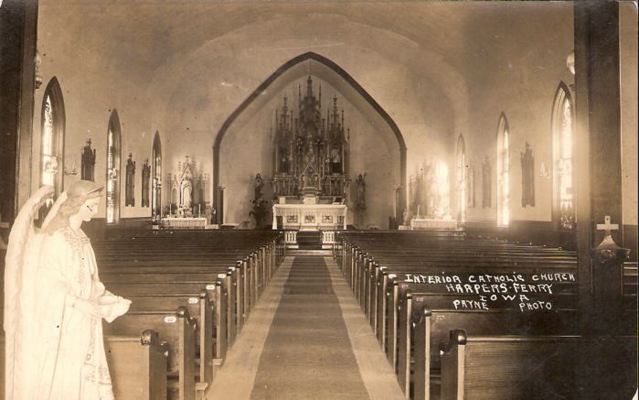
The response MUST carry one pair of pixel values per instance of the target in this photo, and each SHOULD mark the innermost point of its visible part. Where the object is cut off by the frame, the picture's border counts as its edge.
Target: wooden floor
(306, 339)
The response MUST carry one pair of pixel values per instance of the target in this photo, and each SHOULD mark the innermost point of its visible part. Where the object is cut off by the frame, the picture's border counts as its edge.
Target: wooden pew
(393, 302)
(151, 262)
(179, 331)
(138, 366)
(223, 288)
(419, 357)
(391, 278)
(192, 289)
(202, 311)
(510, 367)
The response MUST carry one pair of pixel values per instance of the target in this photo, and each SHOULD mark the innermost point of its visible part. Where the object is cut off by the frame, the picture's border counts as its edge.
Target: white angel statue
(54, 302)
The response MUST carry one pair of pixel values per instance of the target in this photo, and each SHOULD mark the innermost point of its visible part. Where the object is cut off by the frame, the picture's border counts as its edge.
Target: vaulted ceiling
(458, 34)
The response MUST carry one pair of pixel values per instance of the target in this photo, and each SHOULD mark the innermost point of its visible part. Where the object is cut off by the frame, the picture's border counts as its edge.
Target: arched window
(52, 148)
(462, 177)
(563, 139)
(503, 173)
(113, 169)
(156, 173)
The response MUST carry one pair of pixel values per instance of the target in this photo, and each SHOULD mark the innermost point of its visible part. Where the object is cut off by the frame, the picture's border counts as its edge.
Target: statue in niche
(284, 161)
(130, 182)
(486, 190)
(336, 162)
(146, 178)
(186, 190)
(527, 177)
(88, 162)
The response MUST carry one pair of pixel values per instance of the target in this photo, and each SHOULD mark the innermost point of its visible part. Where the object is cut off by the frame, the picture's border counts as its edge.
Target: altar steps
(319, 253)
(309, 240)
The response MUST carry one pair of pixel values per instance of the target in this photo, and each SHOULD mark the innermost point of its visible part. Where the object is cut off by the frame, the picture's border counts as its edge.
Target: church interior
(337, 200)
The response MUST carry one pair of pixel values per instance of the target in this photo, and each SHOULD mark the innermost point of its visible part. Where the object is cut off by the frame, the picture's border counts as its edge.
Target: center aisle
(307, 354)
(318, 346)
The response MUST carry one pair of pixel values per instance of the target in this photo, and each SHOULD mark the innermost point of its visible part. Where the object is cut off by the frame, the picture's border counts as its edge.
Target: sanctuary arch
(247, 143)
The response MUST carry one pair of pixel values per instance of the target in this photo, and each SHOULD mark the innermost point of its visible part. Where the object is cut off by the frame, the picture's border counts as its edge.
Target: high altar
(311, 165)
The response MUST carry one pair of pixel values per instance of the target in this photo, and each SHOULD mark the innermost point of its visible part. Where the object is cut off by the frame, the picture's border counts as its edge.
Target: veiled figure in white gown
(55, 302)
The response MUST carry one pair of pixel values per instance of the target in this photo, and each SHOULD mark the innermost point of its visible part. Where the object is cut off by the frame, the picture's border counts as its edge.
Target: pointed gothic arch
(563, 134)
(262, 88)
(53, 124)
(113, 168)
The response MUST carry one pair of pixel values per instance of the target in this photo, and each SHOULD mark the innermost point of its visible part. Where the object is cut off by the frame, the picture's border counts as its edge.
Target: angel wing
(20, 266)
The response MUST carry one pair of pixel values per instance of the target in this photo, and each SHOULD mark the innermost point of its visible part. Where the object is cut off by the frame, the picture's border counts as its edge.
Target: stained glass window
(503, 173)
(112, 170)
(563, 159)
(51, 150)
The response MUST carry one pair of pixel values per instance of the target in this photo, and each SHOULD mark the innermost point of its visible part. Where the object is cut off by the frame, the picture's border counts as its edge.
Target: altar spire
(311, 152)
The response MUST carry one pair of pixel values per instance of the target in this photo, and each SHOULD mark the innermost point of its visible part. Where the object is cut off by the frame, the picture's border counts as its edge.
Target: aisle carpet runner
(307, 354)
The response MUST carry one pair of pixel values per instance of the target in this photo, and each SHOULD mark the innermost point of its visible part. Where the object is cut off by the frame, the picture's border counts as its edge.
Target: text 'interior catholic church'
(318, 200)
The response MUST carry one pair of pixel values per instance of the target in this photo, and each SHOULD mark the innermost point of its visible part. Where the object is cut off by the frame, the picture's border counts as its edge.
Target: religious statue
(55, 302)
(259, 184)
(186, 191)
(336, 162)
(527, 177)
(146, 178)
(259, 210)
(284, 161)
(130, 182)
(360, 185)
(88, 162)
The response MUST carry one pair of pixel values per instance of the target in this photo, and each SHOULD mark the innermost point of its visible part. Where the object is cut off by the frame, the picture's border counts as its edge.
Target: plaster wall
(88, 103)
(183, 70)
(522, 86)
(211, 83)
(628, 76)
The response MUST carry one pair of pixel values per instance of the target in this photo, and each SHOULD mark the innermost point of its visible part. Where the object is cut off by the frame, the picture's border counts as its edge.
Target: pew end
(138, 366)
(510, 367)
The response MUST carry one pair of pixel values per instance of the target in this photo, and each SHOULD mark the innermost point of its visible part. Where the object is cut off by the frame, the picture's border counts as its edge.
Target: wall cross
(607, 226)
